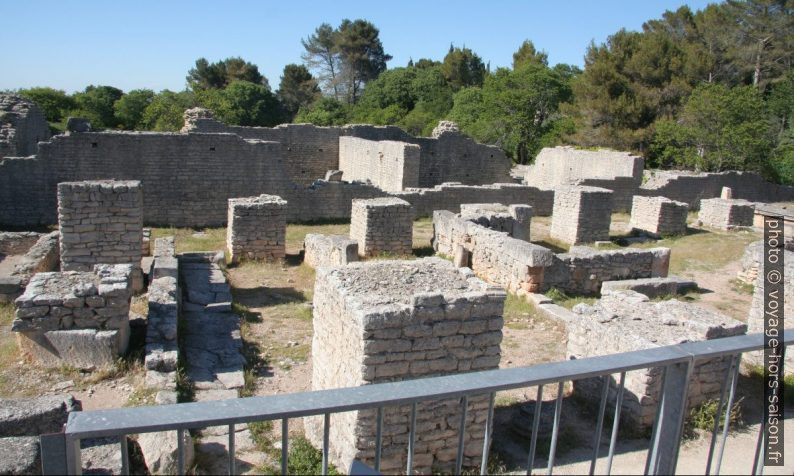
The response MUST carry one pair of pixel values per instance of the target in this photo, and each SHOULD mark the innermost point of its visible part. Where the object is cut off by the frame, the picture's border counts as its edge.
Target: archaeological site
(240, 298)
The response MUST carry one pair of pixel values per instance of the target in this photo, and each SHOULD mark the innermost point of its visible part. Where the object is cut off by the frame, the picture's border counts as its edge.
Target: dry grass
(190, 239)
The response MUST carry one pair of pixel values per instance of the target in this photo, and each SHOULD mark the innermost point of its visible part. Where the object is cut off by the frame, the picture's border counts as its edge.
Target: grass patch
(294, 353)
(741, 287)
(756, 373)
(518, 312)
(193, 239)
(303, 458)
(702, 417)
(297, 233)
(245, 314)
(562, 299)
(6, 313)
(141, 396)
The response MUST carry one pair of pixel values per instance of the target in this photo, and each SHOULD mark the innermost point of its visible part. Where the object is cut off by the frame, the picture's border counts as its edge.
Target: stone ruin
(257, 228)
(623, 321)
(724, 214)
(511, 219)
(77, 318)
(382, 225)
(581, 215)
(387, 321)
(29, 253)
(22, 126)
(329, 250)
(658, 216)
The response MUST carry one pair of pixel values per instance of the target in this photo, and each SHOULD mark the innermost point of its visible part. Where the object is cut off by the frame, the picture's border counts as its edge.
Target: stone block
(256, 228)
(329, 250)
(581, 214)
(382, 225)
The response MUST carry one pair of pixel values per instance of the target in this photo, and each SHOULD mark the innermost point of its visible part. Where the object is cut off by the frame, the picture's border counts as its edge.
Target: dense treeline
(709, 90)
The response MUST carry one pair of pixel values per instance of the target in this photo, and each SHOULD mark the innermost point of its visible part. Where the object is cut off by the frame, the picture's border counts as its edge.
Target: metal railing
(61, 452)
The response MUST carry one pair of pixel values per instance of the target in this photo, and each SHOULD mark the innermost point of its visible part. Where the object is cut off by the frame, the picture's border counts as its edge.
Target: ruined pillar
(257, 228)
(658, 216)
(382, 225)
(581, 214)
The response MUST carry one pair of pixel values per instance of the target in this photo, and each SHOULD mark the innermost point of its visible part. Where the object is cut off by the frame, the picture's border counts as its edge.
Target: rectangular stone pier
(581, 214)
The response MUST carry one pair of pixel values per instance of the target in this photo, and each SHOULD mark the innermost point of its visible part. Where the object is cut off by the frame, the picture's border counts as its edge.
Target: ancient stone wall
(162, 349)
(329, 250)
(389, 165)
(493, 256)
(100, 222)
(76, 318)
(725, 214)
(257, 228)
(581, 214)
(752, 262)
(382, 225)
(624, 321)
(22, 126)
(376, 322)
(582, 270)
(39, 258)
(658, 216)
(511, 219)
(691, 188)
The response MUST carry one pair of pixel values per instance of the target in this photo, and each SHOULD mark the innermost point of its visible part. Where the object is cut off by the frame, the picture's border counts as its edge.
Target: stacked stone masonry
(382, 225)
(329, 250)
(76, 318)
(624, 321)
(390, 321)
(100, 222)
(725, 214)
(493, 256)
(752, 262)
(257, 228)
(389, 165)
(22, 126)
(658, 216)
(162, 347)
(32, 253)
(511, 219)
(581, 214)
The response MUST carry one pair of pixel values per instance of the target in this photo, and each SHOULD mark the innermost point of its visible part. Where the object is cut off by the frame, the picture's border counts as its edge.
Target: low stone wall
(17, 242)
(624, 321)
(257, 228)
(100, 222)
(39, 257)
(493, 256)
(751, 262)
(162, 347)
(450, 196)
(329, 250)
(658, 216)
(76, 318)
(511, 219)
(581, 214)
(382, 225)
(651, 287)
(375, 322)
(725, 214)
(582, 270)
(389, 165)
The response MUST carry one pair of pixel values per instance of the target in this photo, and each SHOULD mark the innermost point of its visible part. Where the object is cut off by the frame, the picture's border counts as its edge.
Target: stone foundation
(76, 318)
(623, 321)
(725, 214)
(329, 250)
(581, 214)
(257, 228)
(511, 219)
(658, 216)
(389, 321)
(101, 222)
(382, 225)
(162, 349)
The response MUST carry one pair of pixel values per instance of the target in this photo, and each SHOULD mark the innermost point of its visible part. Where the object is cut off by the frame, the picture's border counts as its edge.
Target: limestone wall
(22, 126)
(374, 322)
(726, 214)
(100, 222)
(257, 228)
(493, 256)
(565, 165)
(382, 225)
(658, 216)
(389, 165)
(329, 250)
(76, 318)
(582, 270)
(581, 214)
(162, 349)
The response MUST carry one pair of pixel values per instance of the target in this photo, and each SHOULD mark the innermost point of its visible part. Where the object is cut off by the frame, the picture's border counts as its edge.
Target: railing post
(53, 454)
(663, 455)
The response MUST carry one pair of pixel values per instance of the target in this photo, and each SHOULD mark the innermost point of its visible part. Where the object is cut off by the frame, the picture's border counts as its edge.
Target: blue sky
(152, 44)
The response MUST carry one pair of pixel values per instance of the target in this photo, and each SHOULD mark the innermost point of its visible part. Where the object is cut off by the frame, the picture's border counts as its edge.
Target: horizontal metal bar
(117, 421)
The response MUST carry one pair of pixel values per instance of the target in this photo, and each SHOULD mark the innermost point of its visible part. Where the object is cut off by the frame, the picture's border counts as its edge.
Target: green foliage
(297, 89)
(306, 459)
(782, 164)
(242, 103)
(702, 417)
(54, 103)
(206, 75)
(463, 68)
(528, 54)
(96, 104)
(166, 111)
(129, 109)
(324, 112)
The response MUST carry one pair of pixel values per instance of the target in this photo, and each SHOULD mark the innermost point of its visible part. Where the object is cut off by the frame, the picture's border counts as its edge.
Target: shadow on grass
(263, 296)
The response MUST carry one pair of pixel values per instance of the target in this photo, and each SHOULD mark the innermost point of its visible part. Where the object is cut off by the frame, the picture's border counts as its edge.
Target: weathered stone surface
(658, 216)
(389, 165)
(726, 214)
(22, 126)
(79, 348)
(581, 214)
(329, 250)
(20, 455)
(386, 321)
(652, 287)
(257, 228)
(160, 451)
(36, 416)
(511, 219)
(382, 225)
